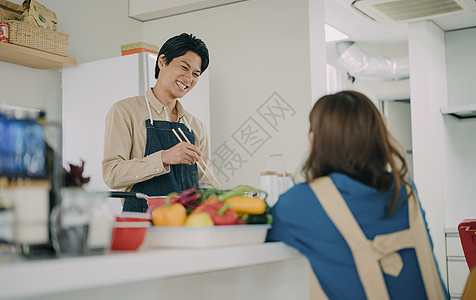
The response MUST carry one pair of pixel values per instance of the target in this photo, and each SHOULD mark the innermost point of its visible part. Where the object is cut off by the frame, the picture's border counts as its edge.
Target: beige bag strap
(383, 248)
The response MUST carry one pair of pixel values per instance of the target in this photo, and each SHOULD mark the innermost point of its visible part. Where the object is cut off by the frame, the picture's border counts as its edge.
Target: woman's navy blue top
(300, 221)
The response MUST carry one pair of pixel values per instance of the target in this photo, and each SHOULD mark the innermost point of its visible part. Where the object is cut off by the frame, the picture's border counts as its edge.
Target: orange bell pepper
(169, 215)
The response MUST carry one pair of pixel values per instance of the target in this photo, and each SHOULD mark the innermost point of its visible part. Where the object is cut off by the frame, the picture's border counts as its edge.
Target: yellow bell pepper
(246, 205)
(173, 215)
(199, 219)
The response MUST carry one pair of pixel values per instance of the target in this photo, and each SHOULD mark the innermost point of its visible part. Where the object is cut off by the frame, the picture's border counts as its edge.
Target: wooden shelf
(30, 57)
(460, 111)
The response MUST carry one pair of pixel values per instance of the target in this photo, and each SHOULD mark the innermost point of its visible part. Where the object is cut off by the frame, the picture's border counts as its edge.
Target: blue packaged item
(9, 144)
(18, 145)
(3, 138)
(34, 149)
(22, 145)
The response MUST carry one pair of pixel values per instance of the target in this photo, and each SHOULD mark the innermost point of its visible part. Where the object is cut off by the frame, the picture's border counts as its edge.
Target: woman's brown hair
(350, 137)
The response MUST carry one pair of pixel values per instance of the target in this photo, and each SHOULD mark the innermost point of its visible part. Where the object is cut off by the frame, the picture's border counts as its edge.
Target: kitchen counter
(266, 271)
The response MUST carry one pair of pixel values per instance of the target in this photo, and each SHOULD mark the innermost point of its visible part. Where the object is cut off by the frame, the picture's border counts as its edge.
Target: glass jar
(81, 223)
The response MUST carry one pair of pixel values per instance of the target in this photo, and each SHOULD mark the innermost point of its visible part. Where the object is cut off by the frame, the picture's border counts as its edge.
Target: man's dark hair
(179, 45)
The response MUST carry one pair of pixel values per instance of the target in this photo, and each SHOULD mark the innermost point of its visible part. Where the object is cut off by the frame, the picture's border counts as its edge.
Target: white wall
(257, 49)
(374, 89)
(97, 30)
(428, 95)
(260, 51)
(461, 66)
(28, 87)
(460, 137)
(383, 90)
(442, 67)
(398, 117)
(318, 50)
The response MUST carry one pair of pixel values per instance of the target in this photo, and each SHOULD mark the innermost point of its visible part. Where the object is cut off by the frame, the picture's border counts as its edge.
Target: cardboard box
(139, 47)
(9, 11)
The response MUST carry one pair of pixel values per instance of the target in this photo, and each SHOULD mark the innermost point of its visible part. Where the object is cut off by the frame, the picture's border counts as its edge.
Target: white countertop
(42, 277)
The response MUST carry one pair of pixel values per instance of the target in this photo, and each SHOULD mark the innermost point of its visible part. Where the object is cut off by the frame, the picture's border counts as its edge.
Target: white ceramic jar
(81, 223)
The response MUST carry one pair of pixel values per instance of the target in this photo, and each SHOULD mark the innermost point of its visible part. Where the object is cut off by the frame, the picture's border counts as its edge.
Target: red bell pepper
(220, 213)
(210, 200)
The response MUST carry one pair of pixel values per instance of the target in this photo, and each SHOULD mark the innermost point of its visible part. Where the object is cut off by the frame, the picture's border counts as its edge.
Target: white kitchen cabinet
(458, 270)
(442, 68)
(459, 148)
(459, 128)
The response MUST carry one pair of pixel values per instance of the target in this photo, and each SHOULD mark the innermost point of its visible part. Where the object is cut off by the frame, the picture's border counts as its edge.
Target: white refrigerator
(89, 90)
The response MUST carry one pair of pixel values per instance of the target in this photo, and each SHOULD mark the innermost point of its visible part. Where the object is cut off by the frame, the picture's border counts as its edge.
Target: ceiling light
(333, 34)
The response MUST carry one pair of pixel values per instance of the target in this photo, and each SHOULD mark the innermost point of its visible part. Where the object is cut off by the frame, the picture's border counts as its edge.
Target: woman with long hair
(357, 217)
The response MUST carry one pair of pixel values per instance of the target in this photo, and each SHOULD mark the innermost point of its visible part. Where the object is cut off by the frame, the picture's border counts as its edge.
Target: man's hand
(182, 153)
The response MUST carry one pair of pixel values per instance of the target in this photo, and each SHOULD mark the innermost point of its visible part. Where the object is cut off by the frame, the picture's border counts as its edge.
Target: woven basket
(24, 34)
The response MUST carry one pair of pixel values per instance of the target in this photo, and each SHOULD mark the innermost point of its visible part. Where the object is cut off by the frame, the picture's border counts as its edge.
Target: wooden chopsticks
(206, 171)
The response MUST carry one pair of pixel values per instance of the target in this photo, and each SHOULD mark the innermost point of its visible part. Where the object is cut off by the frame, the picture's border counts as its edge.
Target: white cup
(30, 212)
(30, 203)
(35, 233)
(269, 184)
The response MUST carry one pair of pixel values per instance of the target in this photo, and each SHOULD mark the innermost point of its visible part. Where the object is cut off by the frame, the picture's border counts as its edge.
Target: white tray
(206, 236)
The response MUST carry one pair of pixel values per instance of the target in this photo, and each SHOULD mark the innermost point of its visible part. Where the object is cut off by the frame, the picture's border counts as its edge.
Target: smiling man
(141, 152)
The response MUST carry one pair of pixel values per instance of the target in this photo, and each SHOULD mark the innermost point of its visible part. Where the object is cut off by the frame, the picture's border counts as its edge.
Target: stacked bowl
(129, 230)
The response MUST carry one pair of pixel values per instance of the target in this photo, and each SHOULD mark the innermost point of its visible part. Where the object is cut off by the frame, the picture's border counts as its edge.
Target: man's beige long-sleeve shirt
(125, 138)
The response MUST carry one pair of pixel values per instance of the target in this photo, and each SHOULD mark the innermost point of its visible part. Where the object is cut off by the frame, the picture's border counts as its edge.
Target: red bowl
(129, 216)
(128, 235)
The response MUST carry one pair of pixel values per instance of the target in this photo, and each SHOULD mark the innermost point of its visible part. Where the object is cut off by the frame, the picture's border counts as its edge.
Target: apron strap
(424, 252)
(184, 119)
(315, 288)
(365, 257)
(148, 107)
(372, 256)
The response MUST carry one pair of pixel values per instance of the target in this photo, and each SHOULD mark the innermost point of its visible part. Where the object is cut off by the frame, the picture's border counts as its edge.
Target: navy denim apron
(180, 177)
